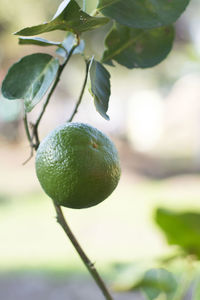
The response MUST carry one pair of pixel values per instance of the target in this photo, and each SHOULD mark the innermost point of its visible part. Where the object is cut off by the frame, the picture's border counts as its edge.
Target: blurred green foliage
(181, 228)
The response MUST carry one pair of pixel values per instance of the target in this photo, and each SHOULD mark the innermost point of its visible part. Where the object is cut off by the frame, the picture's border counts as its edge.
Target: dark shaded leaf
(30, 78)
(100, 87)
(143, 13)
(69, 17)
(182, 229)
(138, 48)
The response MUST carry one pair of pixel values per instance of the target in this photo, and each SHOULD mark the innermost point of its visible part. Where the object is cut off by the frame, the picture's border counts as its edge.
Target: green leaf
(143, 13)
(30, 78)
(129, 275)
(37, 41)
(156, 282)
(68, 43)
(196, 292)
(100, 87)
(69, 17)
(61, 8)
(138, 48)
(181, 228)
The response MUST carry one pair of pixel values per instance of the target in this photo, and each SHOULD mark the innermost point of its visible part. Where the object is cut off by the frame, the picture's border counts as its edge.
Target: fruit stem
(82, 91)
(89, 265)
(27, 128)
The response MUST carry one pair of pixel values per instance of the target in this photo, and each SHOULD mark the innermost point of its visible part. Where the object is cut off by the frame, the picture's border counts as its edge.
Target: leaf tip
(106, 117)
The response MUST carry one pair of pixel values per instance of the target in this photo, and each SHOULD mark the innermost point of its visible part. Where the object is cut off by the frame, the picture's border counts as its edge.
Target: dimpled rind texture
(77, 165)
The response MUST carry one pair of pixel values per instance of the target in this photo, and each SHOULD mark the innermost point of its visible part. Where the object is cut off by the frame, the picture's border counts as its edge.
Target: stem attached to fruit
(34, 142)
(26, 126)
(27, 129)
(82, 91)
(89, 265)
(61, 219)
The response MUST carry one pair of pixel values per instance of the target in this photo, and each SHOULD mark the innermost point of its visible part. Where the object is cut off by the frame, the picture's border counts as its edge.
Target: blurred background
(155, 124)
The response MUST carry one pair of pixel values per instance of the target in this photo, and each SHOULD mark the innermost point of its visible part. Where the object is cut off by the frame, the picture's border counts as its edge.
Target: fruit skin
(77, 165)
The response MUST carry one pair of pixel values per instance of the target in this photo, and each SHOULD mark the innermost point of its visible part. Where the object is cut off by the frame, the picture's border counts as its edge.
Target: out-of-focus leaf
(181, 228)
(156, 282)
(30, 78)
(143, 13)
(130, 275)
(69, 17)
(196, 291)
(37, 41)
(138, 48)
(68, 43)
(100, 87)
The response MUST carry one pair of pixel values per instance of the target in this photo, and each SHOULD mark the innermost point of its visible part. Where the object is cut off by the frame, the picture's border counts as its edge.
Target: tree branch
(60, 70)
(34, 137)
(61, 219)
(82, 92)
(30, 139)
(27, 128)
(89, 265)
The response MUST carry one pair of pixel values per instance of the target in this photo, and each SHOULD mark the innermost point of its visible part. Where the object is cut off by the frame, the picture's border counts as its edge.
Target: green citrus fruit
(77, 165)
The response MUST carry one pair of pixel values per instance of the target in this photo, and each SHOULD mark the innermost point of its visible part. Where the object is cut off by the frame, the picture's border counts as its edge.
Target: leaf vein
(37, 79)
(123, 47)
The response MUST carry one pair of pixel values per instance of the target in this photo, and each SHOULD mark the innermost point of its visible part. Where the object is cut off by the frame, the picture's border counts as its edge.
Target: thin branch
(29, 158)
(81, 93)
(60, 70)
(30, 139)
(60, 217)
(27, 128)
(89, 265)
